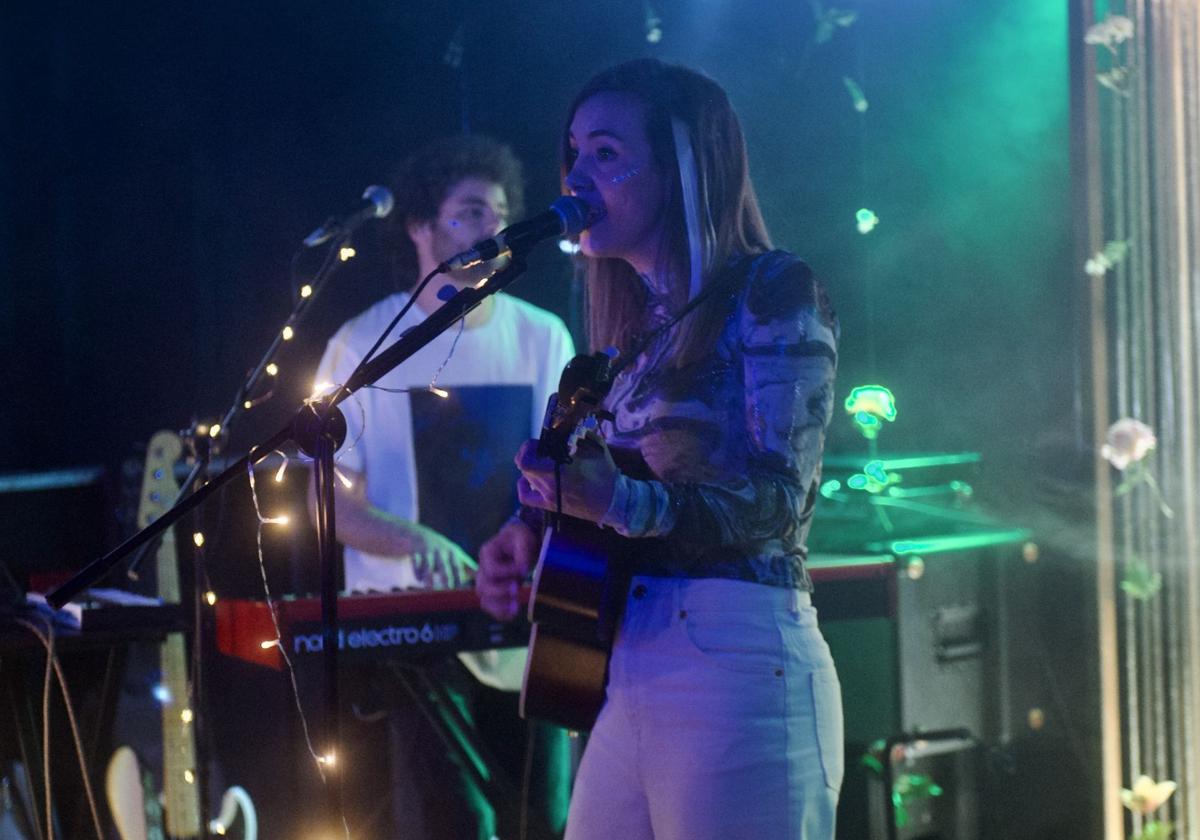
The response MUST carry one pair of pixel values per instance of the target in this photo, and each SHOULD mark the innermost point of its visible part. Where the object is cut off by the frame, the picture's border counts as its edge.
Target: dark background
(163, 160)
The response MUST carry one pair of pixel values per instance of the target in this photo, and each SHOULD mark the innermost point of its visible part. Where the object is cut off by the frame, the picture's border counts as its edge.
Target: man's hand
(438, 561)
(504, 561)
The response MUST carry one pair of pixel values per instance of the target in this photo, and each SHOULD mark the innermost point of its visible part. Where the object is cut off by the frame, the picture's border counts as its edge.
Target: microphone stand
(203, 449)
(318, 429)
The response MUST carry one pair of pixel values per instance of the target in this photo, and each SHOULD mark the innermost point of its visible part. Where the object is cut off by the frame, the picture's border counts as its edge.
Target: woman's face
(612, 168)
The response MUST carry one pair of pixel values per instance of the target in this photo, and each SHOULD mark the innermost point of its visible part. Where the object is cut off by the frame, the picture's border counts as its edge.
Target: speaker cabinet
(912, 651)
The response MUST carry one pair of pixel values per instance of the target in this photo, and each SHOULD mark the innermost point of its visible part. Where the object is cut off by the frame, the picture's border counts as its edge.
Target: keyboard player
(429, 459)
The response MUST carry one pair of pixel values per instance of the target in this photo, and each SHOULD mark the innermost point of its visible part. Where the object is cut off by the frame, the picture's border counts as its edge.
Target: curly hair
(422, 181)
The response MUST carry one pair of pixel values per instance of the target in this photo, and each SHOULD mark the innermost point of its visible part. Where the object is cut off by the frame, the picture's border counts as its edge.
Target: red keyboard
(371, 627)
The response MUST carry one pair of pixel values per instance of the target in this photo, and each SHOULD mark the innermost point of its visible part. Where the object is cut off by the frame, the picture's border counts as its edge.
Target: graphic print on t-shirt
(463, 448)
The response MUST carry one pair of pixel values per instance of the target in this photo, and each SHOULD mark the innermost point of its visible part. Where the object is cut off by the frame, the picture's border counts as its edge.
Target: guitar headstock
(585, 382)
(159, 486)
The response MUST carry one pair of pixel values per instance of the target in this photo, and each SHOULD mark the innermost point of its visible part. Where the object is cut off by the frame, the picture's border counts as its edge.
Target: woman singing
(722, 717)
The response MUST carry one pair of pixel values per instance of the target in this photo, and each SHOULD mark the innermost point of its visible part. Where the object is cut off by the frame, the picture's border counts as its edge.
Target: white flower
(1113, 30)
(1128, 441)
(1100, 262)
(1120, 28)
(1147, 795)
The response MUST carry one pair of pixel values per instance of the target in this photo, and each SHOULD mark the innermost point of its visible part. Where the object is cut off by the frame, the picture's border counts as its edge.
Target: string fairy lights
(318, 758)
(282, 467)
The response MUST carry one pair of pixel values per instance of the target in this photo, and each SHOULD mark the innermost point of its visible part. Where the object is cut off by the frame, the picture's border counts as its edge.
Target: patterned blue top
(734, 441)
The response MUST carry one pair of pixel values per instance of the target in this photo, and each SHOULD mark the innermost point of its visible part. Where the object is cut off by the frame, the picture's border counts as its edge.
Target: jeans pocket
(741, 641)
(827, 708)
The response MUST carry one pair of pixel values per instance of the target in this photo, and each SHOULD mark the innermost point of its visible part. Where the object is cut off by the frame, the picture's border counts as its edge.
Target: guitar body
(579, 587)
(572, 613)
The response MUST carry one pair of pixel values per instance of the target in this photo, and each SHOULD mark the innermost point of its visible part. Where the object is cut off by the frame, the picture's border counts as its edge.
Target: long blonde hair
(677, 99)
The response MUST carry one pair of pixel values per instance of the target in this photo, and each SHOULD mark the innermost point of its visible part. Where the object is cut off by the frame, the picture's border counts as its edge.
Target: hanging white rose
(1128, 442)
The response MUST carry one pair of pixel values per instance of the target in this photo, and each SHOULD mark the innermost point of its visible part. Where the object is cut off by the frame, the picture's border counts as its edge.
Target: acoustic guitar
(580, 579)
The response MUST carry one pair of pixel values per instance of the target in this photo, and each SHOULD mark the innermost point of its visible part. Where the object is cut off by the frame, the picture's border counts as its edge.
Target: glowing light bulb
(282, 519)
(441, 393)
(288, 333)
(189, 777)
(247, 405)
(198, 539)
(568, 247)
(267, 645)
(214, 430)
(272, 369)
(320, 389)
(306, 291)
(211, 598)
(346, 254)
(328, 760)
(186, 716)
(161, 693)
(341, 476)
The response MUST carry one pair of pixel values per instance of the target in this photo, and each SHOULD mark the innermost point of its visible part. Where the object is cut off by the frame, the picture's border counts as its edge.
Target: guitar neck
(181, 793)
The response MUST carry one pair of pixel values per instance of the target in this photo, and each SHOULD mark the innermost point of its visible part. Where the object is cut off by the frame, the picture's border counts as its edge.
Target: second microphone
(567, 216)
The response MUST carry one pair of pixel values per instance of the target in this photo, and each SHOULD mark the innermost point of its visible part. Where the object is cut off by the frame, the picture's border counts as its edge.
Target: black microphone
(377, 203)
(566, 217)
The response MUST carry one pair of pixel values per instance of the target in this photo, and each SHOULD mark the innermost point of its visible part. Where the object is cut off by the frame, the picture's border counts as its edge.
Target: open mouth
(595, 214)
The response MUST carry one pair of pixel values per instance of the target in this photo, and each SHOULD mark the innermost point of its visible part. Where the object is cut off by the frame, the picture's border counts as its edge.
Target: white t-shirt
(407, 442)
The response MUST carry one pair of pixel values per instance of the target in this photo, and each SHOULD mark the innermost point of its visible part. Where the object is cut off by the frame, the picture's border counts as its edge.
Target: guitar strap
(723, 282)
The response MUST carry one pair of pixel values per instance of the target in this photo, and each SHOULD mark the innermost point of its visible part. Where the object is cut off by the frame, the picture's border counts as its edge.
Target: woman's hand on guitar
(587, 482)
(504, 562)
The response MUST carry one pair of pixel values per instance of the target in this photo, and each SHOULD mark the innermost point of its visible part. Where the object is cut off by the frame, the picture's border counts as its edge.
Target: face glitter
(625, 176)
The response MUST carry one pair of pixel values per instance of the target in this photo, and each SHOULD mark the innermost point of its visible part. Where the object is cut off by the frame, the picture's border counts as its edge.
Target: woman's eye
(606, 153)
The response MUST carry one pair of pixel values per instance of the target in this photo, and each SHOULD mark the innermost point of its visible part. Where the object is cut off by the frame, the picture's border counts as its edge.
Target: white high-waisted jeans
(723, 719)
